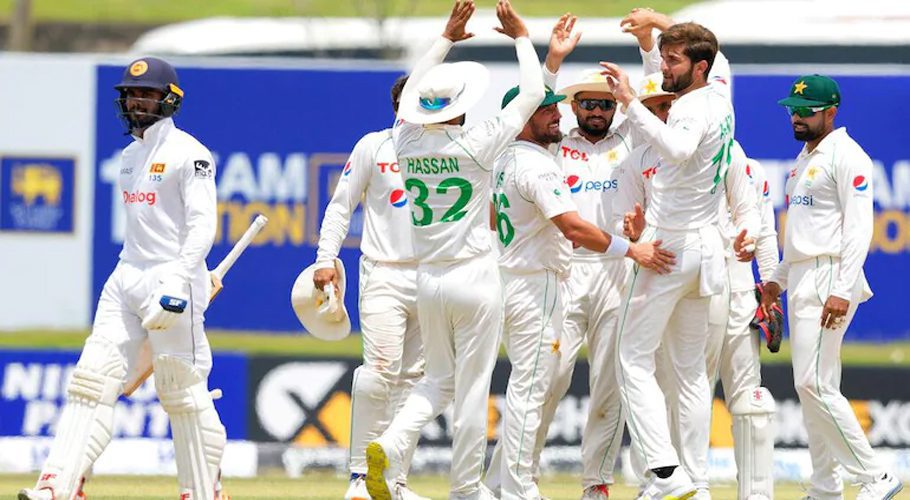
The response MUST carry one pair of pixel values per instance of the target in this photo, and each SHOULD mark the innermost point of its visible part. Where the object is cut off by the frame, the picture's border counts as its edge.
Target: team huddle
(633, 237)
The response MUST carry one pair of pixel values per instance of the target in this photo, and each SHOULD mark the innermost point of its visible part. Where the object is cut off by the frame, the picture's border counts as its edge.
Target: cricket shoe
(676, 487)
(47, 493)
(885, 487)
(405, 493)
(596, 492)
(357, 489)
(381, 475)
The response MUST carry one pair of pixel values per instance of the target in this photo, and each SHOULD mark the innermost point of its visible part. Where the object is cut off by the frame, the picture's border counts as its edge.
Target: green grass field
(330, 486)
(893, 354)
(164, 11)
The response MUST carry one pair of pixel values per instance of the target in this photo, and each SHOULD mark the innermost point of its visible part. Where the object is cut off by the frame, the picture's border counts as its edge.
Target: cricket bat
(216, 275)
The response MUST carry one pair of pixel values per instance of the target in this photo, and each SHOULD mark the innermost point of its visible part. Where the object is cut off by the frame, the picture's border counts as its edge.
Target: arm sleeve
(721, 76)
(549, 78)
(348, 193)
(766, 253)
(546, 189)
(650, 60)
(631, 189)
(854, 169)
(741, 195)
(200, 205)
(490, 138)
(675, 141)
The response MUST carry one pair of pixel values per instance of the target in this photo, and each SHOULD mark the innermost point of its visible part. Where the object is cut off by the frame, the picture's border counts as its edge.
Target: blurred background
(280, 91)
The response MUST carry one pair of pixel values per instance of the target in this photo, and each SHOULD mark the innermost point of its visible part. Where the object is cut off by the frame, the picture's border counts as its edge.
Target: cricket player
(694, 146)
(589, 157)
(827, 237)
(537, 223)
(447, 171)
(158, 292)
(392, 350)
(732, 347)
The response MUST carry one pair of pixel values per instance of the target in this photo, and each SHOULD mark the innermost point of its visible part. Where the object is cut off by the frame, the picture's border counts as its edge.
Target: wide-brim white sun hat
(590, 81)
(446, 91)
(322, 314)
(650, 86)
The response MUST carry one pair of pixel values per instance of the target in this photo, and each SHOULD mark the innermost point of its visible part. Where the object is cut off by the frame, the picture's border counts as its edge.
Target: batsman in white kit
(158, 294)
(392, 349)
(537, 223)
(447, 169)
(694, 149)
(826, 240)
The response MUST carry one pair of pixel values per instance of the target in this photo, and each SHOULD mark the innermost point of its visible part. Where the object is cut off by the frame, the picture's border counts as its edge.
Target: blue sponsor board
(763, 128)
(33, 392)
(37, 194)
(280, 139)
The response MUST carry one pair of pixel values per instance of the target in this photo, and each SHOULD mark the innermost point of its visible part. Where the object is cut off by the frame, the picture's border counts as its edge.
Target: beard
(594, 130)
(544, 135)
(806, 135)
(680, 83)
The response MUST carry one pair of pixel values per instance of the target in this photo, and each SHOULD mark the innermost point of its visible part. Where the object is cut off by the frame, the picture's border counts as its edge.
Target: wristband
(618, 246)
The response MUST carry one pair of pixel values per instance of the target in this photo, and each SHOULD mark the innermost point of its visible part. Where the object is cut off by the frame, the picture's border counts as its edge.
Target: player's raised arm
(455, 31)
(641, 23)
(562, 42)
(531, 87)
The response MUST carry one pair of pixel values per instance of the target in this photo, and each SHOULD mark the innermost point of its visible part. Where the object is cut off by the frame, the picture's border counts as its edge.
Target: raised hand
(562, 40)
(619, 82)
(512, 25)
(458, 20)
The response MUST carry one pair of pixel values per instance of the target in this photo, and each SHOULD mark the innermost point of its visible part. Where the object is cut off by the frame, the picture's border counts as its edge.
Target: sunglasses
(806, 111)
(592, 104)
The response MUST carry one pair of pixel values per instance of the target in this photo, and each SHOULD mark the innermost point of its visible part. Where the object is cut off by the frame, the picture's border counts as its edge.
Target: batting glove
(166, 304)
(772, 329)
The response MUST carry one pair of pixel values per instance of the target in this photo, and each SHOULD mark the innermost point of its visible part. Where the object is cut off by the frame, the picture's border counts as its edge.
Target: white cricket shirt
(529, 191)
(448, 169)
(695, 149)
(167, 183)
(371, 176)
(829, 209)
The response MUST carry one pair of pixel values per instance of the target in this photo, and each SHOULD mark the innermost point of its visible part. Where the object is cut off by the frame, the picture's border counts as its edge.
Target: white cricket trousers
(835, 436)
(732, 355)
(392, 354)
(118, 318)
(459, 307)
(669, 310)
(533, 316)
(592, 314)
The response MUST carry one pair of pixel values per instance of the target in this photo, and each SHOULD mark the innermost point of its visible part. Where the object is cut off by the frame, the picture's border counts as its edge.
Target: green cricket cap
(813, 90)
(550, 97)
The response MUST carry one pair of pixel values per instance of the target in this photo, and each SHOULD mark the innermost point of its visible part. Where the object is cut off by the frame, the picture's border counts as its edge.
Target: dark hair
(397, 87)
(700, 43)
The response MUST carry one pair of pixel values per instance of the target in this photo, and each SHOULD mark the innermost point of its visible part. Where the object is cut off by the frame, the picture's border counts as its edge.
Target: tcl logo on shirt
(139, 197)
(388, 167)
(573, 154)
(576, 184)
